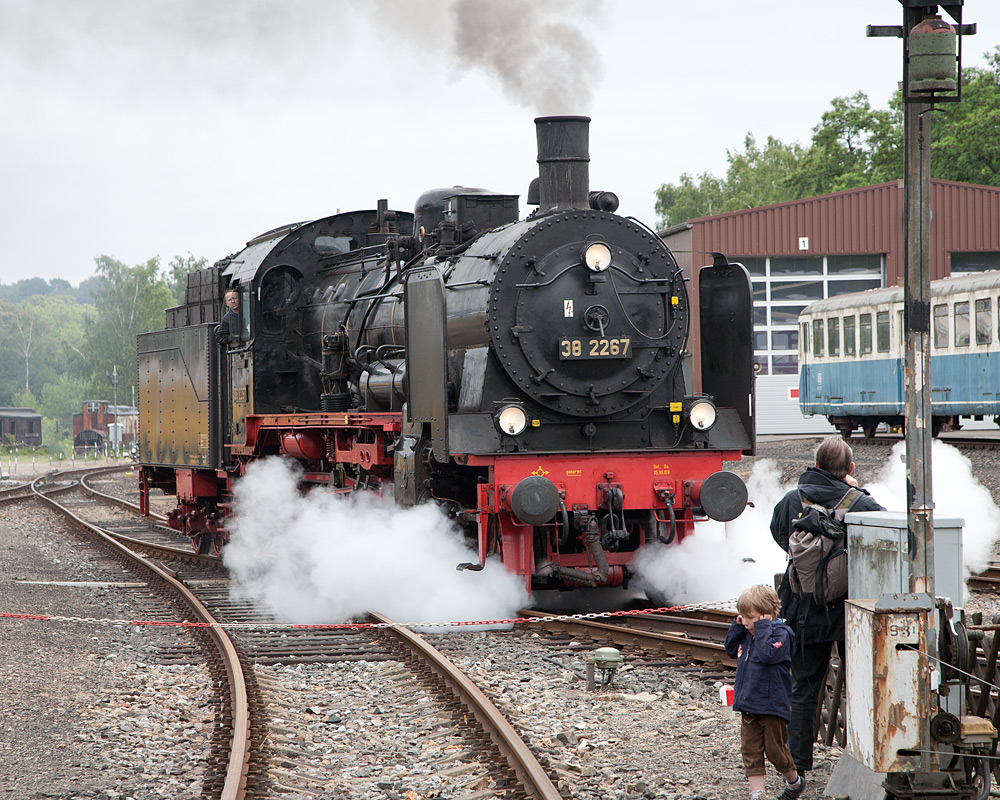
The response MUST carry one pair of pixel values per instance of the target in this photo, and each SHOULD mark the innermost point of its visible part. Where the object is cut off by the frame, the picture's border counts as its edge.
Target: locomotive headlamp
(702, 414)
(597, 257)
(512, 420)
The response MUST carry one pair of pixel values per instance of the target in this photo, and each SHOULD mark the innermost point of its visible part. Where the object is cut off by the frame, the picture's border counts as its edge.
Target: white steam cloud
(956, 493)
(719, 561)
(326, 557)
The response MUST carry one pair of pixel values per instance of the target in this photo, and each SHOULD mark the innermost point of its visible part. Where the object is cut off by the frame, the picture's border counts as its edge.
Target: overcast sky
(169, 127)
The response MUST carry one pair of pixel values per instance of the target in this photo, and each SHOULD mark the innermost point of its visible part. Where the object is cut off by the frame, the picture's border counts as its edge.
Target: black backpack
(817, 550)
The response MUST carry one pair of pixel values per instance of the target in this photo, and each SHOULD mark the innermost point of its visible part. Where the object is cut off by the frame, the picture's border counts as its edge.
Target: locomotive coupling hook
(592, 541)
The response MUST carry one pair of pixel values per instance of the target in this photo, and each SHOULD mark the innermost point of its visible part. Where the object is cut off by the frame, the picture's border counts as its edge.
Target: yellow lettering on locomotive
(574, 473)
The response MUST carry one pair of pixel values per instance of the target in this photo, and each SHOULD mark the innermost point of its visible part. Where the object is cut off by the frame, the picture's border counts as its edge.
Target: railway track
(485, 753)
(232, 732)
(668, 635)
(279, 762)
(988, 440)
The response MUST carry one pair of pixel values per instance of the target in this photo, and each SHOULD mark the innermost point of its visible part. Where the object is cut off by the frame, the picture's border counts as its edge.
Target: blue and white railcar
(850, 355)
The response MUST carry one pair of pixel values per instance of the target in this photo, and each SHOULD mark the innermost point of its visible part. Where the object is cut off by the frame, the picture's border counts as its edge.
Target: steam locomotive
(528, 375)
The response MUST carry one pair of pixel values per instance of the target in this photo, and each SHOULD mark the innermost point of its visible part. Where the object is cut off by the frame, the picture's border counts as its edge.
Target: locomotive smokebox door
(426, 355)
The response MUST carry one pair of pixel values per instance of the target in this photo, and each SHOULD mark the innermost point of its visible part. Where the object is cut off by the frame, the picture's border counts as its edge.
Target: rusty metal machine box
(888, 684)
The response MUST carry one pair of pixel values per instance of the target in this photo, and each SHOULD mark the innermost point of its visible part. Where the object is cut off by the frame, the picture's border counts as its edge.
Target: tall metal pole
(917, 322)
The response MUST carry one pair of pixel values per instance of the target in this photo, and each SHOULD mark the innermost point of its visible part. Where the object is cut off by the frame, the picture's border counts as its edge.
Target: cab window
(244, 314)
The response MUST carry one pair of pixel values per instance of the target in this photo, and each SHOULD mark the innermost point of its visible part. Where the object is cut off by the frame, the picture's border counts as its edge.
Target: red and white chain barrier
(358, 625)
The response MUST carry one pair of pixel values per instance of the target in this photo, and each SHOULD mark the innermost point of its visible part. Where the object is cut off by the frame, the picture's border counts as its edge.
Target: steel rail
(116, 500)
(239, 752)
(529, 772)
(627, 636)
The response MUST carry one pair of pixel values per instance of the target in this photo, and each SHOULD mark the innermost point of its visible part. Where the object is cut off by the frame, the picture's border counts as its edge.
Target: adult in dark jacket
(228, 328)
(817, 627)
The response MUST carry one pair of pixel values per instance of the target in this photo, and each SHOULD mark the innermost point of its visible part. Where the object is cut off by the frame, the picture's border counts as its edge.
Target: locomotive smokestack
(563, 163)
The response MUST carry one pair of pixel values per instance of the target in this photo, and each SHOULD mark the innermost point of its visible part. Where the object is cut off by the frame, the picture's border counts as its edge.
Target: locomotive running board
(426, 351)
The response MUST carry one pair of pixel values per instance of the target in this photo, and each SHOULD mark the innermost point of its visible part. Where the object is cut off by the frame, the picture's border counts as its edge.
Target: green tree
(25, 399)
(66, 322)
(688, 199)
(131, 300)
(24, 329)
(759, 177)
(755, 176)
(853, 145)
(178, 271)
(965, 144)
(63, 398)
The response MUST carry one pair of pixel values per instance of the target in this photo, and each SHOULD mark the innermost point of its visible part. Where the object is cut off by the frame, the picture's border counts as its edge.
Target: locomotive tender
(851, 355)
(527, 375)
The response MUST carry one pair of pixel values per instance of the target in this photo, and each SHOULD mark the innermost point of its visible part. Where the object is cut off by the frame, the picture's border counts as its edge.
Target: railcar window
(962, 324)
(850, 341)
(866, 334)
(833, 336)
(818, 338)
(902, 330)
(984, 321)
(941, 326)
(883, 333)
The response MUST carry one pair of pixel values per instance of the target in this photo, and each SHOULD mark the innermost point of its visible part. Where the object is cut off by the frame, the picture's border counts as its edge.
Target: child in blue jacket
(762, 645)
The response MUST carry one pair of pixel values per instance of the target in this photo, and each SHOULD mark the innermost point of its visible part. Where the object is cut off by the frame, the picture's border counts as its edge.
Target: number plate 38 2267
(573, 349)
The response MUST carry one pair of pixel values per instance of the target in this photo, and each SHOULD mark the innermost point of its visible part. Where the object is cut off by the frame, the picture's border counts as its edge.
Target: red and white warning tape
(352, 625)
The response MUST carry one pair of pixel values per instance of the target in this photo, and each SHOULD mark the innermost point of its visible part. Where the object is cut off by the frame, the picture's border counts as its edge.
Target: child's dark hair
(761, 599)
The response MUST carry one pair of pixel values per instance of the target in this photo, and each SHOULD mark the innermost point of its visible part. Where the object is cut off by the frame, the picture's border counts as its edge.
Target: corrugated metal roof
(965, 218)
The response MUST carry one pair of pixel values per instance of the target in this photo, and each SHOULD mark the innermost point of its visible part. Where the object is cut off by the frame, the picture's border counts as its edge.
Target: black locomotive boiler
(528, 375)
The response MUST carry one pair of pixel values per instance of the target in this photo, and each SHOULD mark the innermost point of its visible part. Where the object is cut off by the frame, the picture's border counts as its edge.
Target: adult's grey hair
(835, 456)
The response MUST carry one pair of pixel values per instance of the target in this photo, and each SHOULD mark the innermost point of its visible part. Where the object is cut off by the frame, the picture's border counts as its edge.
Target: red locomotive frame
(666, 485)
